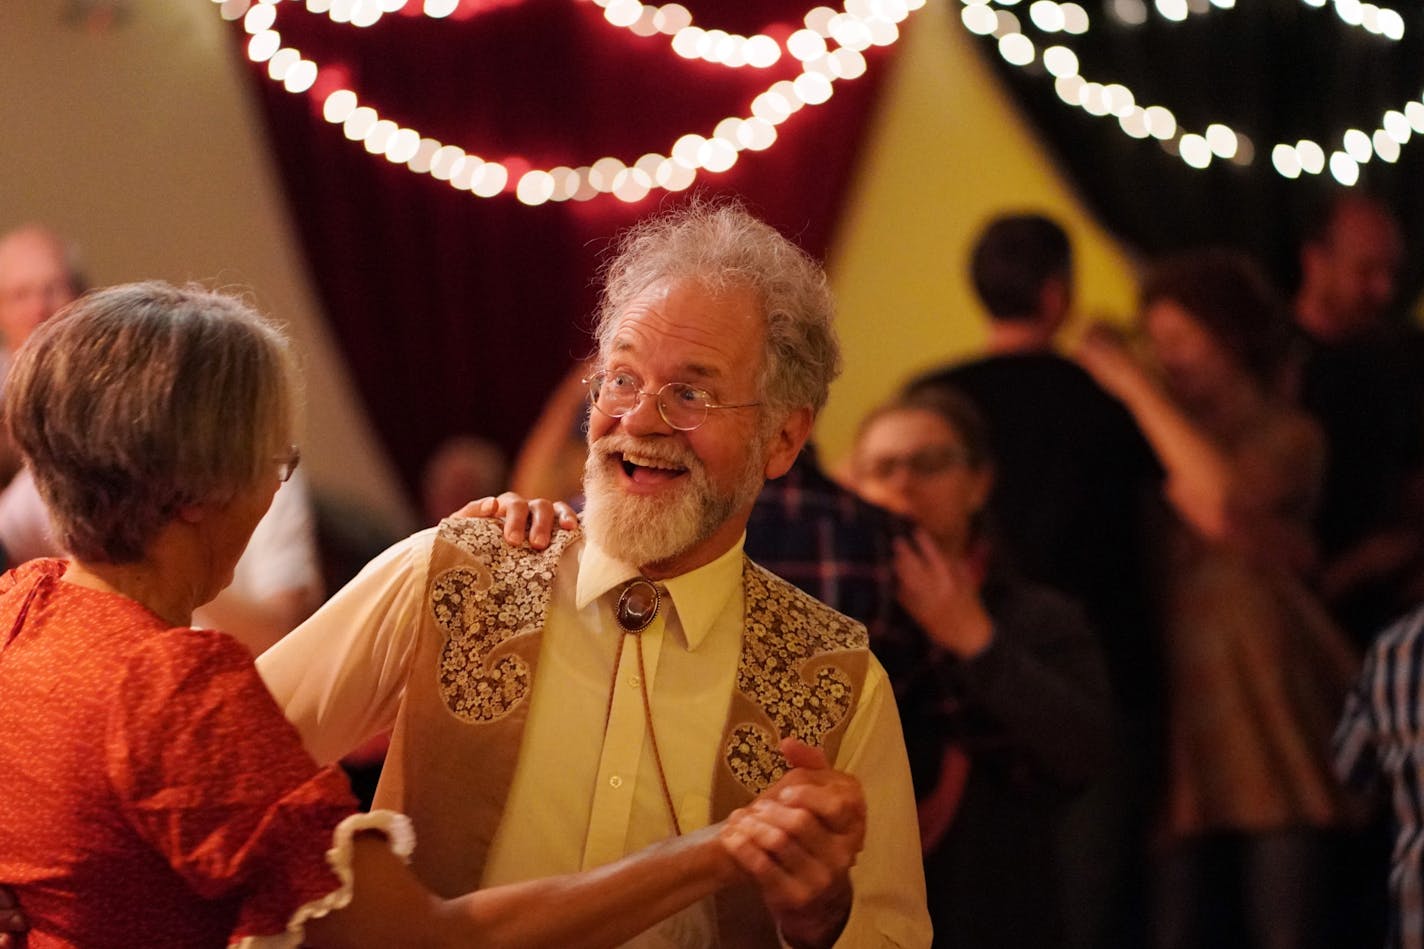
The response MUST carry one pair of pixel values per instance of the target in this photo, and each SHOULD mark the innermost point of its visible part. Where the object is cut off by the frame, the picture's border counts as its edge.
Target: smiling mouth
(644, 470)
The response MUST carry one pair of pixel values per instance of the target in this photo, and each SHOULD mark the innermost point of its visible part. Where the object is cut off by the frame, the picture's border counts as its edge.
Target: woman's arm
(601, 907)
(1199, 473)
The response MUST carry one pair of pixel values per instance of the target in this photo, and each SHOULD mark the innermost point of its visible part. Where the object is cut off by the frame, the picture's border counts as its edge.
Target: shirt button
(615, 782)
(634, 681)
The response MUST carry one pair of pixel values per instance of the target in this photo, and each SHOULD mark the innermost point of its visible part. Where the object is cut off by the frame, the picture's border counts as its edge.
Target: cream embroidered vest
(458, 733)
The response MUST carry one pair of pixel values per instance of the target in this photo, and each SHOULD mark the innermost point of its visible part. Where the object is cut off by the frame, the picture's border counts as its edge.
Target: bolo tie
(637, 607)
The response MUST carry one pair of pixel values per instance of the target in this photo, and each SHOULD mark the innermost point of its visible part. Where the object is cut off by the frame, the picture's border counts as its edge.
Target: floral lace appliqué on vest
(784, 629)
(503, 593)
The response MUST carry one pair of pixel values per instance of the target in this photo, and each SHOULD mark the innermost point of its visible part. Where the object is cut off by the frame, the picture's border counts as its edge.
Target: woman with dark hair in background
(1256, 671)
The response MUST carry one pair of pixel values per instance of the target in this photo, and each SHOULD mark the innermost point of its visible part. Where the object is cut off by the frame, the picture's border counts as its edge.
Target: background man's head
(1350, 264)
(1021, 267)
(463, 469)
(38, 275)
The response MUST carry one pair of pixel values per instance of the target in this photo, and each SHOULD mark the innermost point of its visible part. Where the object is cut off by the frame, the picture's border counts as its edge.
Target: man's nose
(646, 419)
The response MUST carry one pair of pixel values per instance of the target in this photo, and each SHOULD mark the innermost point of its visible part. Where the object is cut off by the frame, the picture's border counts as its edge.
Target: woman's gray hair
(721, 246)
(138, 399)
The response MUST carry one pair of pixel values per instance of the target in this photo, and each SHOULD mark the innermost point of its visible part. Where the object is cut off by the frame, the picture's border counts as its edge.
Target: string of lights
(1218, 140)
(829, 48)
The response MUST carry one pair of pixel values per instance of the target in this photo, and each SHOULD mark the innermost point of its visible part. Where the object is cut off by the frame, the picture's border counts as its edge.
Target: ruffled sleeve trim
(399, 834)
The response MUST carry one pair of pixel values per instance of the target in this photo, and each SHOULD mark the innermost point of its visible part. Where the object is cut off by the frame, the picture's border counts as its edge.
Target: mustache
(617, 443)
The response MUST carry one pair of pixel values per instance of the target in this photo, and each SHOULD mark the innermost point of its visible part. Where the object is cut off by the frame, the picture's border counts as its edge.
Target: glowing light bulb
(1161, 122)
(1222, 140)
(672, 17)
(762, 51)
(378, 136)
(445, 161)
(301, 77)
(1075, 19)
(1397, 126)
(281, 61)
(1414, 112)
(675, 176)
(1286, 161)
(812, 89)
(620, 13)
(1176, 11)
(1134, 123)
(806, 45)
(1016, 49)
(420, 161)
(716, 155)
(358, 123)
(263, 45)
(1343, 168)
(1385, 146)
(1312, 156)
(490, 179)
(1070, 89)
(979, 20)
(534, 187)
(1195, 150)
(1060, 61)
(632, 184)
(259, 18)
(1047, 15)
(338, 106)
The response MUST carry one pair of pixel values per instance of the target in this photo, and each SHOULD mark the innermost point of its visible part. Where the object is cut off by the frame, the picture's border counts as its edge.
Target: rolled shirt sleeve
(888, 907)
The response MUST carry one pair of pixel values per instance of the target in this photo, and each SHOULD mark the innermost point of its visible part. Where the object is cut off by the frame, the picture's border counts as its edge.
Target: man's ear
(787, 440)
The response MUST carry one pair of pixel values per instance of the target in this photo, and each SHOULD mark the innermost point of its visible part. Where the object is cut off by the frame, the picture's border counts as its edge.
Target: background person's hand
(942, 595)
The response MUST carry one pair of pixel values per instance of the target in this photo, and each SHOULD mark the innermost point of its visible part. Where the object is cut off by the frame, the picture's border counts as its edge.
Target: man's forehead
(702, 333)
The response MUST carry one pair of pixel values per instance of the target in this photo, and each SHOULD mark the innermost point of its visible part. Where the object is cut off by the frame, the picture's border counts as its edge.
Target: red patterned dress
(151, 792)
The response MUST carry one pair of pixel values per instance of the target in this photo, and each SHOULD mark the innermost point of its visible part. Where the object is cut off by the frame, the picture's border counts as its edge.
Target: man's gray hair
(721, 246)
(140, 399)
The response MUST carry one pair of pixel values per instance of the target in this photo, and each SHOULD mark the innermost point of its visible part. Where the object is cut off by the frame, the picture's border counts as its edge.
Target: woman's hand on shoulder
(531, 520)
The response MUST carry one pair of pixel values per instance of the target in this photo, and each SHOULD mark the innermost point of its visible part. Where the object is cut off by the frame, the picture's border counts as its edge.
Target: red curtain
(458, 314)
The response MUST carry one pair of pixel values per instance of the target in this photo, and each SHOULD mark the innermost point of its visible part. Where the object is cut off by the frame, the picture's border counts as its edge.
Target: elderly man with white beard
(556, 709)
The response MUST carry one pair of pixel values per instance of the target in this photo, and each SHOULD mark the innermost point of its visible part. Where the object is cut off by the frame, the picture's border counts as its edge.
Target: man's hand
(533, 520)
(13, 924)
(798, 841)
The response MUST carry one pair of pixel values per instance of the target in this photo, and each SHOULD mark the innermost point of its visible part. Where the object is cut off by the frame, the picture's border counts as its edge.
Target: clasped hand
(798, 841)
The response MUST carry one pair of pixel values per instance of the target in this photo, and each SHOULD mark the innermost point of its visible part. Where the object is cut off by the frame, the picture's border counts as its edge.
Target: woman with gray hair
(153, 793)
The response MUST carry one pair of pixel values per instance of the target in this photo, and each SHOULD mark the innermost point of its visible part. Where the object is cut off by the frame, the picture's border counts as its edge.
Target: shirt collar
(700, 595)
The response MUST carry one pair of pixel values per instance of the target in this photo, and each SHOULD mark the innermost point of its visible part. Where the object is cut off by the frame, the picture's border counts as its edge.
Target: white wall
(142, 143)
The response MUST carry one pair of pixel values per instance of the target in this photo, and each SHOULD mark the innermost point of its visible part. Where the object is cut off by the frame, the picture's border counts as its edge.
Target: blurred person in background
(1256, 670)
(1074, 479)
(1001, 683)
(1358, 370)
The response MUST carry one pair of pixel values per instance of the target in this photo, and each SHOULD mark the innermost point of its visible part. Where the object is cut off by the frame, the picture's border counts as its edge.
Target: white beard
(643, 530)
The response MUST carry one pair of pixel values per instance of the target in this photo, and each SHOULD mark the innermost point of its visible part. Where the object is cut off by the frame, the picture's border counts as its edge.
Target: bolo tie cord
(634, 614)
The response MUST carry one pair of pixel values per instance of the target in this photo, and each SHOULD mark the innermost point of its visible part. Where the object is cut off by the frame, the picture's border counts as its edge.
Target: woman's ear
(192, 513)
